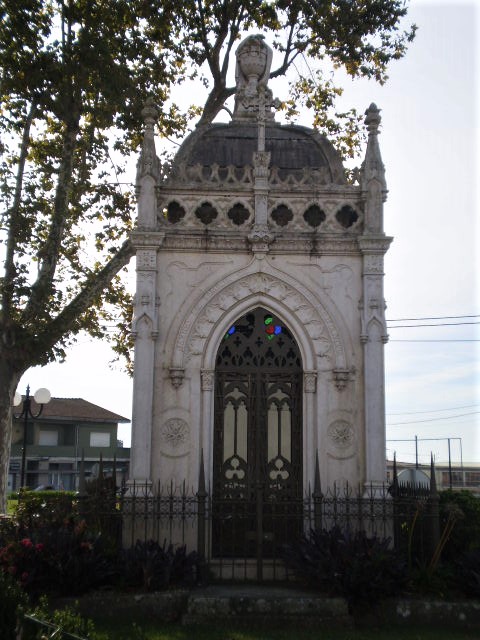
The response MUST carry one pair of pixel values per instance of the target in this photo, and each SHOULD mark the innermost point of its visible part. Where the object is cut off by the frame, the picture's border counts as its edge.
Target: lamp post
(41, 397)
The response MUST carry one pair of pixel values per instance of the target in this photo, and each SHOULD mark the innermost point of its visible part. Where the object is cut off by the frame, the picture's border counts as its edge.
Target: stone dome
(293, 148)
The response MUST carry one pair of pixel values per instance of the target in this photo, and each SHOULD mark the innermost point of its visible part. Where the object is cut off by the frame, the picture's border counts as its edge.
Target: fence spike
(433, 480)
(82, 488)
(317, 487)
(201, 476)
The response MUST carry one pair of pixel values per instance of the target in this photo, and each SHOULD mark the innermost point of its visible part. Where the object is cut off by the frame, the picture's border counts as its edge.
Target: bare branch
(48, 255)
(90, 292)
(14, 215)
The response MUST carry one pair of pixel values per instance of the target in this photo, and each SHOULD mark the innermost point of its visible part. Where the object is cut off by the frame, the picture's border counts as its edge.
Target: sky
(429, 139)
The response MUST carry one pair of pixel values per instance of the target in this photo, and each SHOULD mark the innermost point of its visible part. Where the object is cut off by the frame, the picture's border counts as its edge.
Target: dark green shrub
(8, 530)
(11, 598)
(362, 569)
(465, 535)
(152, 567)
(468, 573)
(38, 511)
(79, 562)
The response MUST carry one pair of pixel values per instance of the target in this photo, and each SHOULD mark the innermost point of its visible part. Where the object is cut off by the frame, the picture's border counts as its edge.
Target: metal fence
(244, 539)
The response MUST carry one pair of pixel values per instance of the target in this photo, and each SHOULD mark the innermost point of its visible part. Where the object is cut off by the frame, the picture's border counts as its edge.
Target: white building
(259, 313)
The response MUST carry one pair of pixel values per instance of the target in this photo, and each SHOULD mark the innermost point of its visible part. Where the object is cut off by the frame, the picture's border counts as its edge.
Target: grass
(215, 632)
(11, 506)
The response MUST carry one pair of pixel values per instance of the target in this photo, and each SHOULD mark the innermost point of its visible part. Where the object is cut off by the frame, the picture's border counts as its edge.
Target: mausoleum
(259, 320)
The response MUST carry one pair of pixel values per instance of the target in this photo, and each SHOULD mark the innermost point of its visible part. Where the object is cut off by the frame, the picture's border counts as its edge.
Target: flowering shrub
(26, 562)
(67, 560)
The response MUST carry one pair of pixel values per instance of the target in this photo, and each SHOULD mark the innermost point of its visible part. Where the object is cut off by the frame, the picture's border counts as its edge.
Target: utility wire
(413, 413)
(444, 340)
(432, 318)
(461, 415)
(439, 324)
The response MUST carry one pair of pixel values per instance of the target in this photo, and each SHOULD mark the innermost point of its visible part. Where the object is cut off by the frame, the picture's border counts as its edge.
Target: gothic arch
(201, 325)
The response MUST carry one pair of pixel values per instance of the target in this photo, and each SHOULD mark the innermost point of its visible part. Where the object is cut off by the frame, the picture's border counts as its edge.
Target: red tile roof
(74, 409)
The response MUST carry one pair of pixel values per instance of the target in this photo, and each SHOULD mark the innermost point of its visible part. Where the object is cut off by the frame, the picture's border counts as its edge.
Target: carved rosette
(341, 436)
(175, 435)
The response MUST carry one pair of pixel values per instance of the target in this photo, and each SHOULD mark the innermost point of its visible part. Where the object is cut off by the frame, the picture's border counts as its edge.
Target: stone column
(145, 332)
(206, 436)
(373, 337)
(310, 443)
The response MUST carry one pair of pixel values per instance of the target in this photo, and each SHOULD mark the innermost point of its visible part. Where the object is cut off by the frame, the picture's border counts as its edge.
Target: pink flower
(39, 547)
(27, 543)
(24, 576)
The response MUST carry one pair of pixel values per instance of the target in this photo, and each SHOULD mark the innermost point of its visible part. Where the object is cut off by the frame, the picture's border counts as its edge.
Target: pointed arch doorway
(257, 449)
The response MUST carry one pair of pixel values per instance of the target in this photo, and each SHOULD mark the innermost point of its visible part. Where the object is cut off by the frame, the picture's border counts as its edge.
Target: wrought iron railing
(244, 538)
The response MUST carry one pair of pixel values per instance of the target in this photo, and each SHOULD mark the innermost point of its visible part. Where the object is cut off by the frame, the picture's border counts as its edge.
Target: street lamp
(41, 397)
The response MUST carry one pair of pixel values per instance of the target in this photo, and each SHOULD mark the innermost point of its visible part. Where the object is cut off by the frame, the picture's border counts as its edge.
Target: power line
(411, 413)
(432, 318)
(461, 415)
(439, 324)
(444, 340)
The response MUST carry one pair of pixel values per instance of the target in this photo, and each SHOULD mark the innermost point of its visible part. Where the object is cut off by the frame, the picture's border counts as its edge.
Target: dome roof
(292, 148)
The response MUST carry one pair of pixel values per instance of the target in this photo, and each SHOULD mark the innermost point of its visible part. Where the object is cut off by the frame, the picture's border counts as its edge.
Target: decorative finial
(372, 118)
(252, 97)
(149, 112)
(254, 59)
(148, 163)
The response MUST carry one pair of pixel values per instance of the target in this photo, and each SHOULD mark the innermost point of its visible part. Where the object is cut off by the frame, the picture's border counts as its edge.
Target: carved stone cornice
(147, 239)
(374, 244)
(300, 243)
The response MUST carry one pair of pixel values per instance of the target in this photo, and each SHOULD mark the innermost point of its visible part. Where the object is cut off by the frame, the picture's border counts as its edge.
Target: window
(346, 216)
(98, 439)
(48, 438)
(206, 213)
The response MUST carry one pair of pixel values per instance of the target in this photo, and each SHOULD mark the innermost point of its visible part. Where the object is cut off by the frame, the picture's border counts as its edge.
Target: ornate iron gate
(257, 497)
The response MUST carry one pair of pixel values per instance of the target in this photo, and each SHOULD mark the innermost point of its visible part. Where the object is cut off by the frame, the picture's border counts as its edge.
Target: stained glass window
(272, 329)
(259, 338)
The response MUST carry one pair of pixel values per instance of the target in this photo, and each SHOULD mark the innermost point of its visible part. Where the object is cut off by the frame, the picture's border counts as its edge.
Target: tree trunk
(9, 379)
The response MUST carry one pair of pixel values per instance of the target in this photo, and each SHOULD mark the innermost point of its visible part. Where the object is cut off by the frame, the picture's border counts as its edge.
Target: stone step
(258, 606)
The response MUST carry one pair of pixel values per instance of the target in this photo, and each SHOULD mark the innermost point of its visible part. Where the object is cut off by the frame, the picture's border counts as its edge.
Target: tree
(362, 36)
(75, 75)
